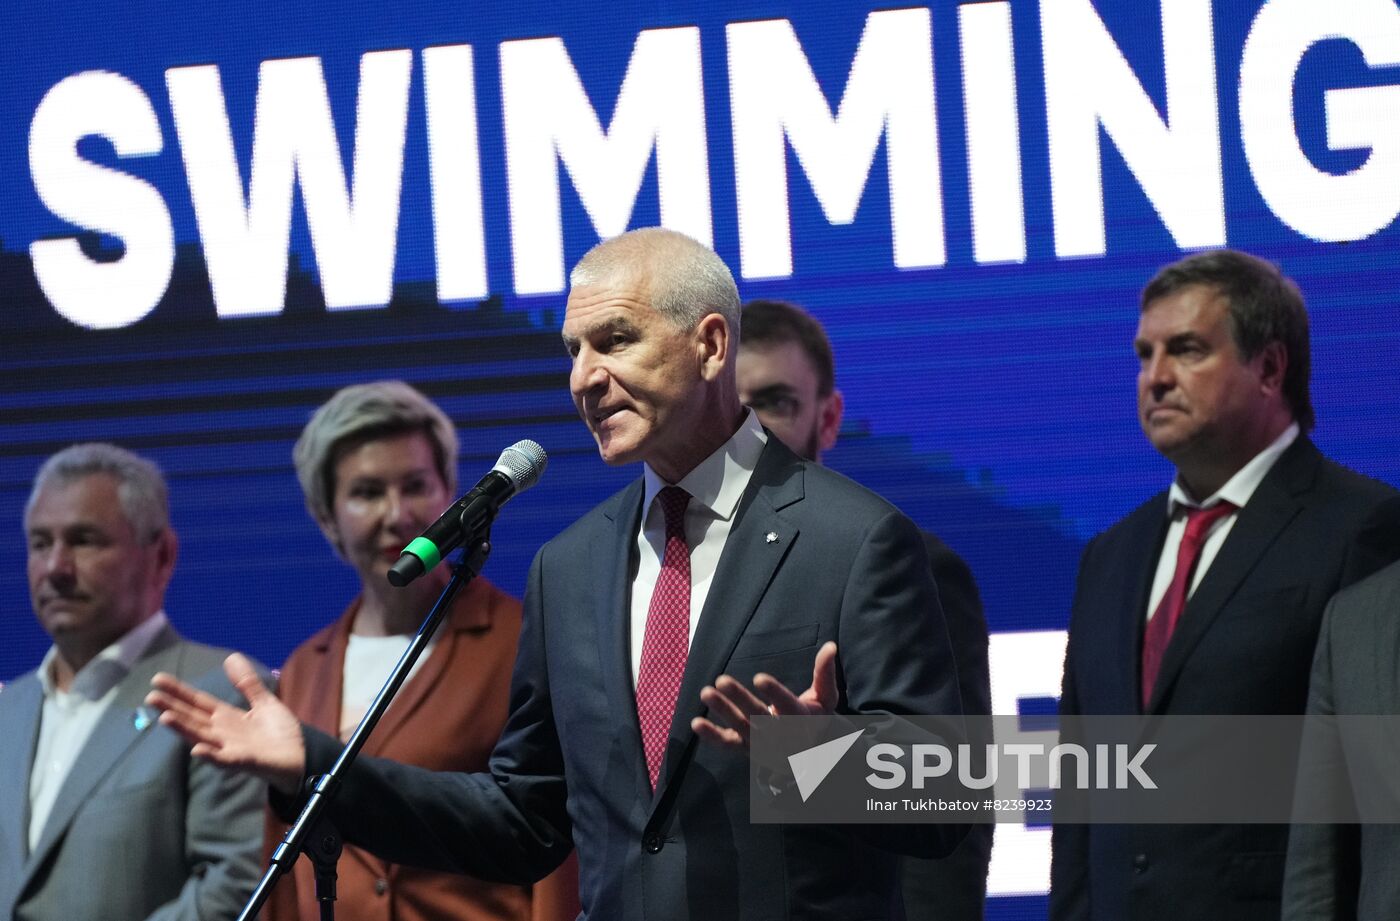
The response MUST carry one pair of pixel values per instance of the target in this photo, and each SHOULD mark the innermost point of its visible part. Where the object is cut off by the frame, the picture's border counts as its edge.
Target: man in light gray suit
(103, 813)
(1350, 872)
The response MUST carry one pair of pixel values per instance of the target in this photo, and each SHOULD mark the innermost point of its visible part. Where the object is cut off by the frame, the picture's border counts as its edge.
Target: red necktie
(667, 638)
(1159, 629)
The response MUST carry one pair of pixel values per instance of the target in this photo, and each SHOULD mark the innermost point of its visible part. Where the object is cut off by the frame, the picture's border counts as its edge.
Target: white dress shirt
(69, 717)
(1238, 490)
(715, 488)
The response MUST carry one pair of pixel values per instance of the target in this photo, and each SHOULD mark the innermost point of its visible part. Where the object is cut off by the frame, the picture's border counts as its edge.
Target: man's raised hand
(731, 704)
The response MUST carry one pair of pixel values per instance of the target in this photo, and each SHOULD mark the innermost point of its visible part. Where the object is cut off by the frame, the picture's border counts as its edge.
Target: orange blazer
(447, 717)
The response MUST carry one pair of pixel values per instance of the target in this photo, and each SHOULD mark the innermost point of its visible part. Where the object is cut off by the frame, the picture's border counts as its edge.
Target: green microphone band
(425, 550)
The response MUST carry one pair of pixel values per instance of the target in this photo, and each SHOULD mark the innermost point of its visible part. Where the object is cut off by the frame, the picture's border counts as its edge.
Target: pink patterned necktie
(1163, 623)
(667, 638)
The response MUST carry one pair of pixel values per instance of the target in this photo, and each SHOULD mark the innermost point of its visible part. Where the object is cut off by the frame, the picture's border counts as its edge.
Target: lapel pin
(145, 716)
(771, 537)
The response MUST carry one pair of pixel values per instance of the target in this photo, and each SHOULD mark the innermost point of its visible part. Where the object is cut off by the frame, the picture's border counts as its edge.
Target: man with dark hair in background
(1207, 599)
(787, 375)
(104, 814)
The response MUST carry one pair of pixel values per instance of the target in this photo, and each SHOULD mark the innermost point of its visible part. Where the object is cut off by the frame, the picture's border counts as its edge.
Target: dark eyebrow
(767, 397)
(1176, 341)
(774, 390)
(78, 530)
(1188, 338)
(606, 325)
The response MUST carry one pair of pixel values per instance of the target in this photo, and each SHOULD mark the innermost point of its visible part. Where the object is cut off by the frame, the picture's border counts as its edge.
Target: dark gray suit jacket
(1244, 645)
(1338, 872)
(842, 564)
(139, 829)
(954, 888)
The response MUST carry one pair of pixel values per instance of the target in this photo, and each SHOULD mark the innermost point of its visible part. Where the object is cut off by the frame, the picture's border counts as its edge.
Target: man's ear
(167, 549)
(164, 550)
(829, 418)
(712, 345)
(1272, 363)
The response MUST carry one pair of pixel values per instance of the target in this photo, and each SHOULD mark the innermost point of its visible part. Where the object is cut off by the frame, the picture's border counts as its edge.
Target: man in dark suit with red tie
(1207, 598)
(730, 561)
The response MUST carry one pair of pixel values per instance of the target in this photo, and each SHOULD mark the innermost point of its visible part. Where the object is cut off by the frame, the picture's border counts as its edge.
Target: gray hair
(1264, 306)
(687, 280)
(140, 485)
(361, 413)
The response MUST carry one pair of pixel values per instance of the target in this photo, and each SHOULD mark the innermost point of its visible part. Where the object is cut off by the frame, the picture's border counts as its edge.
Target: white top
(1238, 489)
(69, 717)
(368, 662)
(715, 488)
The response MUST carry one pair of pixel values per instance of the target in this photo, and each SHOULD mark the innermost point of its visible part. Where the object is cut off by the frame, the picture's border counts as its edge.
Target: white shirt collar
(109, 666)
(1240, 487)
(713, 484)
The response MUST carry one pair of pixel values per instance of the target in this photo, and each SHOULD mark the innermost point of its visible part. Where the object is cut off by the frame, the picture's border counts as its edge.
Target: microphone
(518, 468)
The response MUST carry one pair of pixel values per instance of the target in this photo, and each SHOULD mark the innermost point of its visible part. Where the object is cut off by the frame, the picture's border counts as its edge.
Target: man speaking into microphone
(732, 577)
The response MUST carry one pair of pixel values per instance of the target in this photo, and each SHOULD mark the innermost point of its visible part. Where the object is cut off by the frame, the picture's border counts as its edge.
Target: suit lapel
(1274, 504)
(321, 709)
(467, 612)
(613, 554)
(19, 725)
(746, 568)
(117, 731)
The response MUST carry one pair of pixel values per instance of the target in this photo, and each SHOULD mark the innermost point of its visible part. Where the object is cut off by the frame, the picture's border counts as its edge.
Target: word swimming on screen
(664, 112)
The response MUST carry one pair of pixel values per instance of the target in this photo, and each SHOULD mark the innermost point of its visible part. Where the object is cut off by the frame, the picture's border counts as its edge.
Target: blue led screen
(216, 215)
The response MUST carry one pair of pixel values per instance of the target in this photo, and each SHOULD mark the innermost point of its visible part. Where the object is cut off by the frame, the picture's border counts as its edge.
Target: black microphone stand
(324, 845)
